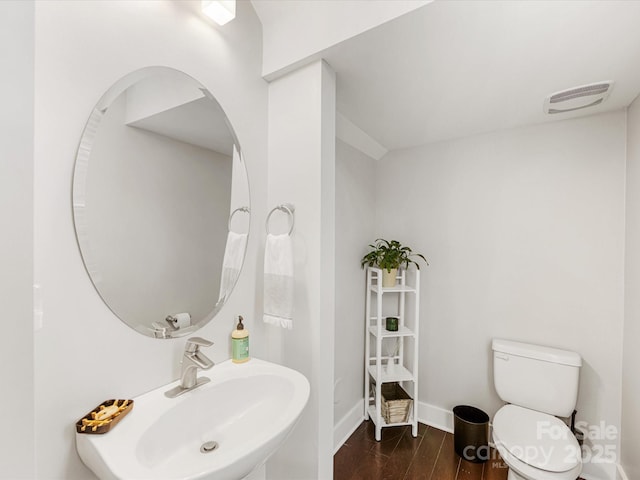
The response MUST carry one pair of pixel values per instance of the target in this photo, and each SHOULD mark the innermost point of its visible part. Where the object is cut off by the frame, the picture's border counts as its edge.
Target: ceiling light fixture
(220, 11)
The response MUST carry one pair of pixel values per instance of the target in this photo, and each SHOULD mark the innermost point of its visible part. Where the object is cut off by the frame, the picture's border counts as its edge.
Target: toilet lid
(540, 440)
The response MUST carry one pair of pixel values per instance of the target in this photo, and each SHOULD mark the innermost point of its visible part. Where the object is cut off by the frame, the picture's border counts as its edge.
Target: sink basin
(242, 416)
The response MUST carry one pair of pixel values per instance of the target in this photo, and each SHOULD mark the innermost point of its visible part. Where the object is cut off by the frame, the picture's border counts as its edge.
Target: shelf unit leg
(378, 433)
(367, 386)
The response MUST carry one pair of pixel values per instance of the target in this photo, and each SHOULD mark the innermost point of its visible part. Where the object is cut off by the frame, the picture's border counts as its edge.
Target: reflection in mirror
(161, 202)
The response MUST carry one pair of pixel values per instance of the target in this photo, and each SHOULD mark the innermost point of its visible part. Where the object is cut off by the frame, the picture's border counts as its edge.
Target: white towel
(232, 262)
(278, 280)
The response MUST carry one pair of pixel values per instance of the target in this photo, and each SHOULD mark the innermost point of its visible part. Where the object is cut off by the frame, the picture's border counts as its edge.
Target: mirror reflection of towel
(232, 262)
(278, 280)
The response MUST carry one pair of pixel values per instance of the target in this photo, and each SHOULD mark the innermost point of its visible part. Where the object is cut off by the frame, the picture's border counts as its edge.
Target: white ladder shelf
(404, 343)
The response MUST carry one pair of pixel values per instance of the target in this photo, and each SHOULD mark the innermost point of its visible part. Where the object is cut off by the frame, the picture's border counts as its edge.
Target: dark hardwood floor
(399, 456)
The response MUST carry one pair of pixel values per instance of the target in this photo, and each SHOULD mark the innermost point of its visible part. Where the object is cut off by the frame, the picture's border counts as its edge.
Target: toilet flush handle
(502, 357)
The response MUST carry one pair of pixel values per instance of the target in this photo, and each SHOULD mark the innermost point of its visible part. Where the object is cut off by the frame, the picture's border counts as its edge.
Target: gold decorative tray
(104, 417)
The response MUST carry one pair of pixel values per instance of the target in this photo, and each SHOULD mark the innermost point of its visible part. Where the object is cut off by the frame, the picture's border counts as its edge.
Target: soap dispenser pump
(240, 343)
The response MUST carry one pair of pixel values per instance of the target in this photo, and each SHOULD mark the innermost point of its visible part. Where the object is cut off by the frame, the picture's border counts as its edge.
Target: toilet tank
(536, 377)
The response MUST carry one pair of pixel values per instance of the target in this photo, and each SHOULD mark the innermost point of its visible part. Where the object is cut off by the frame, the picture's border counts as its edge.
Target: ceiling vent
(577, 98)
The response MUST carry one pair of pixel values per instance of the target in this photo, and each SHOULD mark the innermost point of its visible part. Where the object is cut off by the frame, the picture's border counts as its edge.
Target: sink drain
(208, 447)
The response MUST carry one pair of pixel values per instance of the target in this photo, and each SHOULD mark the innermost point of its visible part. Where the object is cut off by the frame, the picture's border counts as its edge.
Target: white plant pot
(389, 277)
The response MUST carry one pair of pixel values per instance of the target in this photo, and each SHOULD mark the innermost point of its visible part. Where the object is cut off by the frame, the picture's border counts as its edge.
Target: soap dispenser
(240, 343)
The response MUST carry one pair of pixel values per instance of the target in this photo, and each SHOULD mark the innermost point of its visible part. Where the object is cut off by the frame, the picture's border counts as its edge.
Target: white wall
(302, 172)
(355, 229)
(524, 230)
(16, 241)
(81, 49)
(630, 438)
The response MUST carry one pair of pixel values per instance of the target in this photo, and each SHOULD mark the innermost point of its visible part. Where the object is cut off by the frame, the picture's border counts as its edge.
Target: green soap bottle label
(240, 348)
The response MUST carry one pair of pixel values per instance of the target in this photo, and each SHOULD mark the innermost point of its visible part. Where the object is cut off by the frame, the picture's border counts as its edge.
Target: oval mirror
(161, 202)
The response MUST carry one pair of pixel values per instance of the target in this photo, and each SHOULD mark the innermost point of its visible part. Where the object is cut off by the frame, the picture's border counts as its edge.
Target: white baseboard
(428, 414)
(435, 417)
(621, 475)
(347, 425)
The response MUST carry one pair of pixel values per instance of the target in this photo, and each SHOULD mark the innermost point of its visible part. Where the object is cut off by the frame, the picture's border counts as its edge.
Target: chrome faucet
(192, 359)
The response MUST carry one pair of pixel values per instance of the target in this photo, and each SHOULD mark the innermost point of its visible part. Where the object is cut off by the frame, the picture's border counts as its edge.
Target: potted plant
(389, 256)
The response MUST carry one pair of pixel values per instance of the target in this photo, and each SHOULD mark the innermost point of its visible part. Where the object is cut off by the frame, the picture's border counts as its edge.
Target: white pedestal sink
(247, 410)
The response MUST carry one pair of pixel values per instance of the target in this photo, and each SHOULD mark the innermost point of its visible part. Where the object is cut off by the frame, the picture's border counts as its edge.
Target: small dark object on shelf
(392, 324)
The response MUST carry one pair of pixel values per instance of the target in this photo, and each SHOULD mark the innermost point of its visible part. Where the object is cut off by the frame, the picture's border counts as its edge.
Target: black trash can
(471, 433)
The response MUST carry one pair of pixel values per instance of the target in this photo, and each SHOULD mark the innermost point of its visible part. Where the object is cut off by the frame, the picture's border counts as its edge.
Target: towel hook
(239, 209)
(286, 208)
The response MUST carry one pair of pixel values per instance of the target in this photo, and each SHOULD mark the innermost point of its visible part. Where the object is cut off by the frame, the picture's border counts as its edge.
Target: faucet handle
(194, 344)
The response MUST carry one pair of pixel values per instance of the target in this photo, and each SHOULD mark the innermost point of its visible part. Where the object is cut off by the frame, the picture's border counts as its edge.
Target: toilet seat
(532, 473)
(536, 445)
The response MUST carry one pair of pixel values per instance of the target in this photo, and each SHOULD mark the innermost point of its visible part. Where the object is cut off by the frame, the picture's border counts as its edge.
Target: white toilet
(539, 384)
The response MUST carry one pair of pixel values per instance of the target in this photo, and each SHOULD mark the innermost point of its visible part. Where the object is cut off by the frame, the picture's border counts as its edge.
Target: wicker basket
(396, 403)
